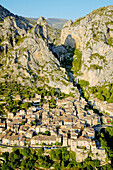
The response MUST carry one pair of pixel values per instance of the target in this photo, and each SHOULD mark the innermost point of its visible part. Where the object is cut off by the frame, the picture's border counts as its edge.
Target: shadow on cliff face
(70, 42)
(64, 53)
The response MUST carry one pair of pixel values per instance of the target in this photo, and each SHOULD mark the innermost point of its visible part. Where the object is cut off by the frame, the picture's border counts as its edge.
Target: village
(70, 124)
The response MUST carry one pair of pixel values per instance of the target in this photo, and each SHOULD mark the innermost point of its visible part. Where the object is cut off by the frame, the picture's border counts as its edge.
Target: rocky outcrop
(26, 56)
(36, 51)
(92, 35)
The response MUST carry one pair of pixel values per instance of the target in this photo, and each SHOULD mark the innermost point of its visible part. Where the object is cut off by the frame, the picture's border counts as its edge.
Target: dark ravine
(81, 52)
(49, 81)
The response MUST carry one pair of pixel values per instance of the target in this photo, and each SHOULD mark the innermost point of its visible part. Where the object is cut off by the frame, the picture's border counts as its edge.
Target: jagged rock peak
(4, 13)
(68, 23)
(41, 21)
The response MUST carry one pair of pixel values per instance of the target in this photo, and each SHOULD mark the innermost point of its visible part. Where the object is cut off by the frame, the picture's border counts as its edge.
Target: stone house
(37, 129)
(68, 121)
(5, 140)
(29, 111)
(83, 142)
(22, 141)
(95, 121)
(33, 108)
(1, 137)
(31, 120)
(74, 136)
(14, 140)
(88, 132)
(47, 98)
(16, 128)
(10, 115)
(22, 112)
(94, 148)
(46, 106)
(18, 97)
(73, 145)
(89, 120)
(10, 126)
(45, 121)
(65, 140)
(29, 134)
(2, 129)
(37, 96)
(3, 125)
(23, 129)
(44, 139)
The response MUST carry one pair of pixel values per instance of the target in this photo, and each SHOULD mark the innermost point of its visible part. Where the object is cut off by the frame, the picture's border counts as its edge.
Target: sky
(67, 9)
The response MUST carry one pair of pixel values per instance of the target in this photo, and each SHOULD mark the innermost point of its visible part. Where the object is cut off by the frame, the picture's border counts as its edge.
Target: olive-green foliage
(52, 103)
(45, 133)
(109, 23)
(105, 139)
(84, 86)
(2, 112)
(77, 62)
(104, 93)
(33, 159)
(9, 89)
(95, 67)
(68, 160)
(99, 11)
(66, 84)
(77, 21)
(110, 41)
(83, 83)
(20, 40)
(12, 88)
(97, 56)
(25, 159)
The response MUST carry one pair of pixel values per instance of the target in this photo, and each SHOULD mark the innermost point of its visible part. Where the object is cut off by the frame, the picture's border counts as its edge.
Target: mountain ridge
(54, 22)
(25, 54)
(82, 51)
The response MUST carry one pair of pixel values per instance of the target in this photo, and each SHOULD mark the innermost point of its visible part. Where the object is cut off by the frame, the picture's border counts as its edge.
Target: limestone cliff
(25, 54)
(93, 36)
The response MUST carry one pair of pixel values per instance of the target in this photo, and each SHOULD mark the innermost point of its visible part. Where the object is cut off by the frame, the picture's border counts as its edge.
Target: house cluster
(69, 124)
(103, 106)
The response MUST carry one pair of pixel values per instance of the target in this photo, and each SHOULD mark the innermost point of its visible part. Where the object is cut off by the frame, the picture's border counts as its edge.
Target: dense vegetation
(77, 62)
(9, 90)
(25, 159)
(84, 88)
(104, 93)
(31, 159)
(106, 139)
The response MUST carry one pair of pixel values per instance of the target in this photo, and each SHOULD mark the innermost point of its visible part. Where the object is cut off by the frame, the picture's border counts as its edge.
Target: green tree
(72, 155)
(47, 133)
(57, 166)
(52, 154)
(77, 62)
(25, 152)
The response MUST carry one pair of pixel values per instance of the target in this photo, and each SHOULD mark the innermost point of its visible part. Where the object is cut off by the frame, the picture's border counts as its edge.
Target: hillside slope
(37, 54)
(25, 53)
(93, 36)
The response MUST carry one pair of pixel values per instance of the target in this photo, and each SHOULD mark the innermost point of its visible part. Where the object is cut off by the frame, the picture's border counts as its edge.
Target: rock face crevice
(26, 56)
(92, 35)
(27, 49)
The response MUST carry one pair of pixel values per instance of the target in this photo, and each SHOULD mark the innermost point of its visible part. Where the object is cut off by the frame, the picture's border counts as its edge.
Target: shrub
(77, 62)
(18, 67)
(110, 41)
(95, 67)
